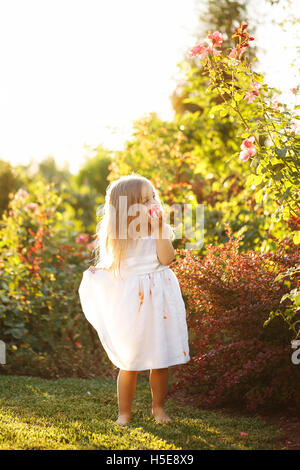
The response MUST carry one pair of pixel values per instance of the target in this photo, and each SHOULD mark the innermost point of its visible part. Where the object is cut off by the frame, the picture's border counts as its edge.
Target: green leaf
(296, 238)
(287, 192)
(297, 299)
(223, 112)
(281, 152)
(258, 77)
(278, 166)
(250, 180)
(258, 179)
(215, 108)
(259, 195)
(278, 176)
(238, 96)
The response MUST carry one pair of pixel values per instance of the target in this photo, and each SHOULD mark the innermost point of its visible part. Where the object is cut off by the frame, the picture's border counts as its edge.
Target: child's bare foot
(161, 416)
(123, 419)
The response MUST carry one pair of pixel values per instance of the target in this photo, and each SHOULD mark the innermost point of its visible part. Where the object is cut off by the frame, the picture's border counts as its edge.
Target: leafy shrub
(41, 264)
(229, 295)
(270, 135)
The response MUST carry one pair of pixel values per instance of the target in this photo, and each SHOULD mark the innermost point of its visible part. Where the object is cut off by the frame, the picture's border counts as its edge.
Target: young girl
(132, 297)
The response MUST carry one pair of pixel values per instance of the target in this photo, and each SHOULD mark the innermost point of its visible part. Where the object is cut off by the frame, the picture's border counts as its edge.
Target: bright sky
(75, 71)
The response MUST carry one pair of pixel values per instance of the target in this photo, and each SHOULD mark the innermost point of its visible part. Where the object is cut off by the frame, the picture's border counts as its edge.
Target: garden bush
(235, 359)
(41, 263)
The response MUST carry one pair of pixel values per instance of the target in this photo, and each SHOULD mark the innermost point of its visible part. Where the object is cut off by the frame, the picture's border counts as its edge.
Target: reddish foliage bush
(228, 296)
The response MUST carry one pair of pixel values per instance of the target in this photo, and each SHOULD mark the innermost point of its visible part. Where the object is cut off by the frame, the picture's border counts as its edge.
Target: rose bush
(271, 142)
(41, 262)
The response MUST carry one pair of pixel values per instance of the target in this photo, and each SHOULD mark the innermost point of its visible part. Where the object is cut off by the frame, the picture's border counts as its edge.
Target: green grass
(79, 414)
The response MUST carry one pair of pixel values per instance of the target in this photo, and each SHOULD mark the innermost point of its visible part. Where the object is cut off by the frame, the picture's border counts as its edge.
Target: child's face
(148, 200)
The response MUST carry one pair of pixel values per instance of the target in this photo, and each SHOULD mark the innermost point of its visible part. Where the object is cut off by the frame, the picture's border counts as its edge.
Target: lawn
(79, 414)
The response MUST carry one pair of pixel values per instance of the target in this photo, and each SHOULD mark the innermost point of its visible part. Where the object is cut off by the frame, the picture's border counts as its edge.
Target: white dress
(140, 317)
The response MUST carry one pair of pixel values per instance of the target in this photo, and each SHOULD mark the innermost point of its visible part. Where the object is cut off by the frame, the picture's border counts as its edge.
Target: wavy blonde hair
(109, 248)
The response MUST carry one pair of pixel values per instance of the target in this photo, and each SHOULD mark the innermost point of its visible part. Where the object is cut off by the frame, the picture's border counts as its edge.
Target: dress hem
(169, 364)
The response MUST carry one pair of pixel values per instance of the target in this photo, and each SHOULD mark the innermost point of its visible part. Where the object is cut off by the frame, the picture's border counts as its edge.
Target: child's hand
(155, 214)
(93, 269)
(154, 210)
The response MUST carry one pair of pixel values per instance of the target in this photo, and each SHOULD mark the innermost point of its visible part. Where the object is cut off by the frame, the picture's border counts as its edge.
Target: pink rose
(82, 238)
(244, 155)
(215, 39)
(248, 144)
(249, 95)
(196, 50)
(32, 206)
(154, 210)
(248, 149)
(91, 245)
(22, 193)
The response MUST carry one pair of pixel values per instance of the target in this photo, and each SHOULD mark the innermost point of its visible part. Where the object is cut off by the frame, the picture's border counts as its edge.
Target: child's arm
(164, 247)
(165, 250)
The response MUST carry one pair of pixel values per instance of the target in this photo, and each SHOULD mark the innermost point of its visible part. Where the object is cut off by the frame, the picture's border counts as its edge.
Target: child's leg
(126, 385)
(159, 389)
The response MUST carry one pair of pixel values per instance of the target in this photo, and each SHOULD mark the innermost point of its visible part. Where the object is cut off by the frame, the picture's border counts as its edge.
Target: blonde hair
(109, 248)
